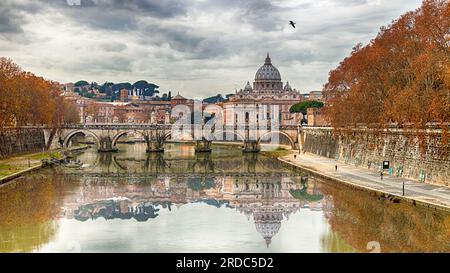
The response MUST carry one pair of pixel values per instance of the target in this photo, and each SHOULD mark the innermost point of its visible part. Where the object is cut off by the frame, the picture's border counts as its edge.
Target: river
(225, 201)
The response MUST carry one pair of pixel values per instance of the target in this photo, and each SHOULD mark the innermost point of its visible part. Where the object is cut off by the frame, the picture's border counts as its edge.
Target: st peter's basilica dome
(268, 71)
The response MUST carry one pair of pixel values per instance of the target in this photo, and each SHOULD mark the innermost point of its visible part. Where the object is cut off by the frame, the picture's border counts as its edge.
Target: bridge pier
(106, 145)
(251, 146)
(155, 143)
(203, 146)
(154, 146)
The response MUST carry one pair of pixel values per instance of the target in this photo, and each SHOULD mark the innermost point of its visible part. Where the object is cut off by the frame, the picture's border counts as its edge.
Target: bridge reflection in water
(261, 189)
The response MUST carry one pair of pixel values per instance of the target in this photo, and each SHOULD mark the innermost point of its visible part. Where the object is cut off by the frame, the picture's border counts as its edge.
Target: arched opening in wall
(129, 141)
(79, 138)
(127, 138)
(274, 140)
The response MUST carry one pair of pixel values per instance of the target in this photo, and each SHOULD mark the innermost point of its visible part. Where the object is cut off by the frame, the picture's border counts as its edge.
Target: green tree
(302, 106)
(81, 83)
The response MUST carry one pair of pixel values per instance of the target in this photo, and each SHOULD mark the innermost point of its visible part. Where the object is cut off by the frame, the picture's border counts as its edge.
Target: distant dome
(248, 87)
(178, 97)
(287, 87)
(268, 71)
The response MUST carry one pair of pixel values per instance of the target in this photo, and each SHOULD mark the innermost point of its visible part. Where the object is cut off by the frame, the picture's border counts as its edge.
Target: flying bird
(292, 24)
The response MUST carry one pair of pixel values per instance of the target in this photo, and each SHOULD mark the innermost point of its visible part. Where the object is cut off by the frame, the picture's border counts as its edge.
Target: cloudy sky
(196, 47)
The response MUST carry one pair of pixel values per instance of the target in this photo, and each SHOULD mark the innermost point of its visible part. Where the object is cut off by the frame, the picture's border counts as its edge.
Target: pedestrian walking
(295, 156)
(335, 167)
(381, 175)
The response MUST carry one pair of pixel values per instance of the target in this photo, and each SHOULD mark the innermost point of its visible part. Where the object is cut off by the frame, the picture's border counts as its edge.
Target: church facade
(268, 99)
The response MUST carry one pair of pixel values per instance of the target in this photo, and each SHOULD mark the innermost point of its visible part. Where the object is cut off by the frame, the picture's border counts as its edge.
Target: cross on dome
(268, 60)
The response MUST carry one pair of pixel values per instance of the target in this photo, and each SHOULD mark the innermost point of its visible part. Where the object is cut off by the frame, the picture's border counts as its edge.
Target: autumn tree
(26, 99)
(401, 77)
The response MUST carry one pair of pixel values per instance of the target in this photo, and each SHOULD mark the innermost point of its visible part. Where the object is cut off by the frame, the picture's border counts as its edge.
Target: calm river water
(226, 201)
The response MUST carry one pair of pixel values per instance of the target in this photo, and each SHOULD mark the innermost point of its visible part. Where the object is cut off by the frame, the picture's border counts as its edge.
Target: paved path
(438, 195)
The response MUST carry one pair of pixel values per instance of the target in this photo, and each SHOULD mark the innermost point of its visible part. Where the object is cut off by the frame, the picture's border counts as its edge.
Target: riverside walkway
(415, 192)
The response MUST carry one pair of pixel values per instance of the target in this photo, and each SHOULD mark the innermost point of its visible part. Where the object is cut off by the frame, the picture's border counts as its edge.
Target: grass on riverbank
(7, 169)
(45, 155)
(276, 153)
(16, 164)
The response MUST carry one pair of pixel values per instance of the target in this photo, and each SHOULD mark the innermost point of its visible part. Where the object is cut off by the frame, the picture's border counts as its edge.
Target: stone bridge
(107, 135)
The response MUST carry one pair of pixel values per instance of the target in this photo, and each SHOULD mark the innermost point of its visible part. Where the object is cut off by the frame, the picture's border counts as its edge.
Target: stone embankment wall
(19, 141)
(422, 156)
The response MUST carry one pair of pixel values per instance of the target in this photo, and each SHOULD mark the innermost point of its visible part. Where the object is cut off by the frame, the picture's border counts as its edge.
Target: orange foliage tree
(401, 77)
(26, 99)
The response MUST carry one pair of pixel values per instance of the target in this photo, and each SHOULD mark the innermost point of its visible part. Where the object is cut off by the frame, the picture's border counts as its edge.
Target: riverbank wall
(21, 141)
(419, 155)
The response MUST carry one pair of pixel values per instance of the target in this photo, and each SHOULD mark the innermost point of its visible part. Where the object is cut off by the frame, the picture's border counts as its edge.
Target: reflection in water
(180, 201)
(27, 213)
(266, 200)
(360, 218)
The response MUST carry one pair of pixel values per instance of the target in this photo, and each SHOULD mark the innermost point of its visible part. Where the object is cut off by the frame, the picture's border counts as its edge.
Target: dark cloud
(187, 40)
(9, 22)
(136, 8)
(260, 14)
(97, 14)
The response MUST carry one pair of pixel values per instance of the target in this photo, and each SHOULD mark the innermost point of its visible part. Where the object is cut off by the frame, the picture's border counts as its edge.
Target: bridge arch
(83, 132)
(291, 141)
(122, 133)
(117, 136)
(234, 133)
(169, 135)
